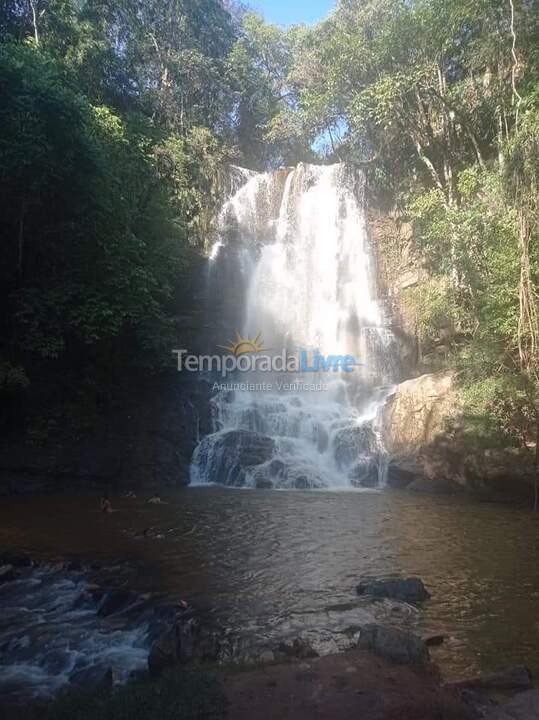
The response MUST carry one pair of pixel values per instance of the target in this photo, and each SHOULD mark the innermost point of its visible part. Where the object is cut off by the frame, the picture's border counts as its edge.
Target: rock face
(395, 645)
(427, 448)
(413, 418)
(405, 589)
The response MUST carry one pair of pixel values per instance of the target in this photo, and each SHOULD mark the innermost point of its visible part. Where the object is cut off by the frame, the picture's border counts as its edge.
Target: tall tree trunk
(35, 16)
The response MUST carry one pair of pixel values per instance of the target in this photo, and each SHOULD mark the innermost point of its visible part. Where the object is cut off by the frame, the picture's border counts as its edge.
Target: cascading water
(304, 278)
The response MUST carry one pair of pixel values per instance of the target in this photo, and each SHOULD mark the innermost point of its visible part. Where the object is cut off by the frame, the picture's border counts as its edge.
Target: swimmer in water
(156, 500)
(106, 506)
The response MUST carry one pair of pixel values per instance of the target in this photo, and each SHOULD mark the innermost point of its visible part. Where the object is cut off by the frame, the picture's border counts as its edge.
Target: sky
(288, 12)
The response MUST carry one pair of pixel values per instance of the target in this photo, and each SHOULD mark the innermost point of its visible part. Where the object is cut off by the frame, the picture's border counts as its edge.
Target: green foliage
(436, 310)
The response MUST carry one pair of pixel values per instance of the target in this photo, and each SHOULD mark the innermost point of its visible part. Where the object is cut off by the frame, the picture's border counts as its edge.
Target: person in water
(156, 500)
(106, 506)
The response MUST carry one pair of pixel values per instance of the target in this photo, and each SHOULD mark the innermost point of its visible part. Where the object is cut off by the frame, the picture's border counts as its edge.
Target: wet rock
(298, 648)
(434, 640)
(207, 645)
(266, 657)
(276, 468)
(364, 473)
(351, 442)
(524, 706)
(399, 478)
(74, 565)
(56, 661)
(396, 645)
(479, 702)
(227, 457)
(518, 677)
(94, 677)
(7, 573)
(263, 483)
(176, 644)
(115, 600)
(404, 589)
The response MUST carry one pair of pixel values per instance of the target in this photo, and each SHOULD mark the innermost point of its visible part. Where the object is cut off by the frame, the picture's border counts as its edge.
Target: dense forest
(119, 118)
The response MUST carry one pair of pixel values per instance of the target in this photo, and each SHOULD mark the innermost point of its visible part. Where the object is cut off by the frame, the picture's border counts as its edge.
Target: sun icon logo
(242, 345)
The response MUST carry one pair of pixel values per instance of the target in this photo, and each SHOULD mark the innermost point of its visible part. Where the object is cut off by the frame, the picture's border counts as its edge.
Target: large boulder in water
(175, 644)
(395, 645)
(415, 416)
(409, 589)
(351, 442)
(364, 473)
(114, 601)
(227, 457)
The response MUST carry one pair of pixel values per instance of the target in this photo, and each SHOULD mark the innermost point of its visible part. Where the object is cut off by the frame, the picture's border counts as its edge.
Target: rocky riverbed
(80, 627)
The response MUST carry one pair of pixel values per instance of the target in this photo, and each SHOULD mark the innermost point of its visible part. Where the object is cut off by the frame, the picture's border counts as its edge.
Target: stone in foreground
(396, 645)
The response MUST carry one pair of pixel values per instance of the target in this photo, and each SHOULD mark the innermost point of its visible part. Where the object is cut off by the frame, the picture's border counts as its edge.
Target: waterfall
(293, 252)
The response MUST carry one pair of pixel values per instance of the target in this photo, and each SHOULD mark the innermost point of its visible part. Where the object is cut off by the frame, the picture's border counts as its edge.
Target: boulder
(276, 468)
(176, 644)
(414, 417)
(266, 657)
(396, 645)
(74, 565)
(297, 648)
(227, 457)
(524, 706)
(404, 589)
(434, 640)
(364, 473)
(96, 677)
(115, 600)
(398, 478)
(351, 442)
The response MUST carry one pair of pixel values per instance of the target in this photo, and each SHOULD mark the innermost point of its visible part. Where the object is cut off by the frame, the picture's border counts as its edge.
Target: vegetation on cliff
(438, 102)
